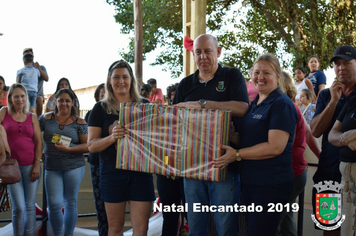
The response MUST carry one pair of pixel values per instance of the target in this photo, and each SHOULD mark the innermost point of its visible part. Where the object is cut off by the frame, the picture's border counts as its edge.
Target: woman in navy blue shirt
(265, 141)
(316, 76)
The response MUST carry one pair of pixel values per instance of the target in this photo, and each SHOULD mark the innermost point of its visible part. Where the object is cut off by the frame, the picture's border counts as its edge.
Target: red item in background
(188, 43)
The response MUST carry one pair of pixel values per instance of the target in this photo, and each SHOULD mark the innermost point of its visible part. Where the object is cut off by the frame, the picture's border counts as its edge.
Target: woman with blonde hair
(23, 131)
(266, 158)
(119, 186)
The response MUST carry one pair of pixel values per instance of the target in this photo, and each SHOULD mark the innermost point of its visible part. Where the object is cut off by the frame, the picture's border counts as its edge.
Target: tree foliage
(291, 29)
(298, 27)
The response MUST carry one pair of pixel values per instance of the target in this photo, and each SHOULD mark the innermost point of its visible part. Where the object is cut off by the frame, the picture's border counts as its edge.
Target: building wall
(85, 97)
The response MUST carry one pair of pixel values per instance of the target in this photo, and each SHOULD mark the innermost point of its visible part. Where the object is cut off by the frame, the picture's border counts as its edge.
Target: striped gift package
(172, 141)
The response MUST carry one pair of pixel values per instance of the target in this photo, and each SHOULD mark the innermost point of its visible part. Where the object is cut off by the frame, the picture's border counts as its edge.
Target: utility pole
(138, 40)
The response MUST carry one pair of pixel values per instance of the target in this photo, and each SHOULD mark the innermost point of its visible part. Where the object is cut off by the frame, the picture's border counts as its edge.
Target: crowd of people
(273, 118)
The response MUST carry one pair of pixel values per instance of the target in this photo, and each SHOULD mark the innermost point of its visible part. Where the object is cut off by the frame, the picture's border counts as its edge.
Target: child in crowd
(307, 107)
(146, 91)
(171, 91)
(316, 76)
(157, 95)
(28, 77)
(302, 83)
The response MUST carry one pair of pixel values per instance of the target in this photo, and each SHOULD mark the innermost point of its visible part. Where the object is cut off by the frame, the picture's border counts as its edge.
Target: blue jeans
(287, 225)
(215, 194)
(23, 198)
(62, 188)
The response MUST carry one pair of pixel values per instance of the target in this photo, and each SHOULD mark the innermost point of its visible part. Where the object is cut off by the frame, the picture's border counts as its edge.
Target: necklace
(60, 126)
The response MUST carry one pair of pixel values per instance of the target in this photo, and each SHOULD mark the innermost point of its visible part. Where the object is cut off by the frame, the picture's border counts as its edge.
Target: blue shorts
(32, 96)
(122, 185)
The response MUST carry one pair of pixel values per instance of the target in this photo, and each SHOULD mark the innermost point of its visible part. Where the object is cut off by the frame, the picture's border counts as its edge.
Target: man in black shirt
(214, 87)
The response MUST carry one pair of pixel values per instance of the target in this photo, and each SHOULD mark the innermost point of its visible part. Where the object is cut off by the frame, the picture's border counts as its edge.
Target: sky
(76, 39)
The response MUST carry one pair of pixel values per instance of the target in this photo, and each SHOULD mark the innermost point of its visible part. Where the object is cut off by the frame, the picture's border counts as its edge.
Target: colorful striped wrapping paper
(172, 141)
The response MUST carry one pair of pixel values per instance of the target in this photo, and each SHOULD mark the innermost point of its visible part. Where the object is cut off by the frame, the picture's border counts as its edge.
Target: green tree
(162, 25)
(298, 27)
(291, 29)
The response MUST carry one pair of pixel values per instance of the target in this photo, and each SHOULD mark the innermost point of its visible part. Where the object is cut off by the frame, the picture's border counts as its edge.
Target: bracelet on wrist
(238, 157)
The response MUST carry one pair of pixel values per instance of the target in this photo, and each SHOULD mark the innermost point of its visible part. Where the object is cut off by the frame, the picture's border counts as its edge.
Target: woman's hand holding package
(227, 158)
(118, 132)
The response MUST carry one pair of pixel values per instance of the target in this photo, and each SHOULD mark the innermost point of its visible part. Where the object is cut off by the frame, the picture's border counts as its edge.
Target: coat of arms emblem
(220, 87)
(328, 206)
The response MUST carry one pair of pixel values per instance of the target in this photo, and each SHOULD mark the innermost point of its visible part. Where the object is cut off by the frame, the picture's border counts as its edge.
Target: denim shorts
(123, 185)
(32, 96)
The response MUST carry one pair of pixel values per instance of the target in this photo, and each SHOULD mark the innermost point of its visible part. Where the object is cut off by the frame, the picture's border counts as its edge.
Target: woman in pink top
(3, 93)
(24, 138)
(251, 90)
(157, 95)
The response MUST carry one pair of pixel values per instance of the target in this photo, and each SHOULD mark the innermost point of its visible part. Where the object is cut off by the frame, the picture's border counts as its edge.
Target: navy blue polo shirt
(278, 112)
(329, 156)
(228, 84)
(348, 118)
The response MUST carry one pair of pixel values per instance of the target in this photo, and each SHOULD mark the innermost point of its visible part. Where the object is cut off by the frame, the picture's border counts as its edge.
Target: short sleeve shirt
(329, 156)
(100, 118)
(227, 84)
(317, 79)
(29, 77)
(56, 160)
(348, 118)
(276, 112)
(40, 83)
(157, 95)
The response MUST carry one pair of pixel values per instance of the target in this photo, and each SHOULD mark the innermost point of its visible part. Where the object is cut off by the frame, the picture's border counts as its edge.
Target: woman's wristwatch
(238, 157)
(39, 159)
